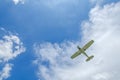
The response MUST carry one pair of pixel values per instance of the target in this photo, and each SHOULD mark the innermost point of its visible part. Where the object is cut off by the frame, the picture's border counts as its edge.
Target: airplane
(82, 51)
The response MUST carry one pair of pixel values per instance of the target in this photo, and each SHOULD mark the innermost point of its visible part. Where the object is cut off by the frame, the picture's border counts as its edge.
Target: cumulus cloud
(103, 26)
(18, 1)
(10, 47)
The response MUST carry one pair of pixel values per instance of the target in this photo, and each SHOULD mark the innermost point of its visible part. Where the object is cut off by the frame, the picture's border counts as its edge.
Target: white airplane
(82, 50)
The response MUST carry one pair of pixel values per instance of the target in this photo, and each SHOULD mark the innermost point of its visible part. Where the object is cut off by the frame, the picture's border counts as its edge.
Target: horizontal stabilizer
(89, 58)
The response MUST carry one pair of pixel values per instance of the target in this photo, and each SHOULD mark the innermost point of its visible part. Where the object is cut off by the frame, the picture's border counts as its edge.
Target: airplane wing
(88, 45)
(76, 54)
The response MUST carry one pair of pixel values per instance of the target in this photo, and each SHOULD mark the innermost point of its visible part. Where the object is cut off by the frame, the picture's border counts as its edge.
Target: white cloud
(103, 26)
(102, 76)
(5, 73)
(10, 47)
(18, 1)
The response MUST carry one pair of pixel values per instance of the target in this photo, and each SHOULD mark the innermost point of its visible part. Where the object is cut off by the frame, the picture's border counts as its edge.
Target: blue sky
(41, 25)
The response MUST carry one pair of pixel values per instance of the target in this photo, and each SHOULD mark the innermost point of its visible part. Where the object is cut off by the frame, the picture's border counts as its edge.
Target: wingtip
(92, 40)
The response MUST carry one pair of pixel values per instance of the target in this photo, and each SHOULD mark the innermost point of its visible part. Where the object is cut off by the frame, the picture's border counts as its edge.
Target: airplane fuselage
(82, 51)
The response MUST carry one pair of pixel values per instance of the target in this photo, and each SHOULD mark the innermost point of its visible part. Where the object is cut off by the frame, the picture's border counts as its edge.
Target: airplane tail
(89, 58)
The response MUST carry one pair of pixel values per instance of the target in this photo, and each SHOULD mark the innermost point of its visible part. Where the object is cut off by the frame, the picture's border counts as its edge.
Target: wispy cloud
(57, 3)
(96, 1)
(10, 47)
(5, 73)
(51, 3)
(18, 1)
(53, 60)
